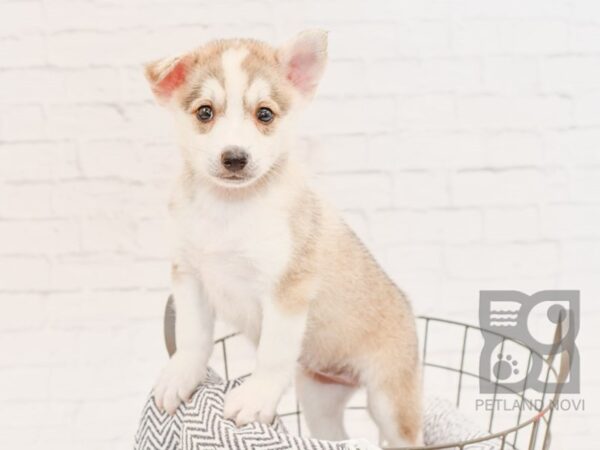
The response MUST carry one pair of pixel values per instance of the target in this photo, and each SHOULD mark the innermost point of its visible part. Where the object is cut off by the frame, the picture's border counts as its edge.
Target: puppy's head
(234, 102)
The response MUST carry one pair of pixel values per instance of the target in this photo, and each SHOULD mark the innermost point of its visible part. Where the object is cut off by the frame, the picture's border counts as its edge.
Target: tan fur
(204, 62)
(360, 325)
(300, 282)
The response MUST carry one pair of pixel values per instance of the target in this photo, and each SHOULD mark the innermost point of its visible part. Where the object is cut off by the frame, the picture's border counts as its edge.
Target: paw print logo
(505, 367)
(546, 323)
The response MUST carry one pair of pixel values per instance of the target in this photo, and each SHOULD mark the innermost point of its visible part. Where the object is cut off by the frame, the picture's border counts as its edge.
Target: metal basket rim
(502, 435)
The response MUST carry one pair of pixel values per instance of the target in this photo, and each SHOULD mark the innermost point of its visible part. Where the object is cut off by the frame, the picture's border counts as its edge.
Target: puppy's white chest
(239, 252)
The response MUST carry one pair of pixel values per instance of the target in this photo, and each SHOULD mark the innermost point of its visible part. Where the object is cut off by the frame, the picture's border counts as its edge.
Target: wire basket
(526, 427)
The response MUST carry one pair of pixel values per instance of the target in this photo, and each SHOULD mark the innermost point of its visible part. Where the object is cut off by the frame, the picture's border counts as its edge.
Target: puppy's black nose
(234, 159)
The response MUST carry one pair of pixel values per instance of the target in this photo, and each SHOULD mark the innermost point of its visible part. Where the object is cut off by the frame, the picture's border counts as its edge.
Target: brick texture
(460, 138)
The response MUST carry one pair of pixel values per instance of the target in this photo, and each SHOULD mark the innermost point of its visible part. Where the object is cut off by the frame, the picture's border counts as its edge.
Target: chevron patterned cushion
(199, 425)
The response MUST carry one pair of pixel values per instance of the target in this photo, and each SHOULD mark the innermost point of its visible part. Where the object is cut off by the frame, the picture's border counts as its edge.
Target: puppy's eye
(265, 115)
(204, 113)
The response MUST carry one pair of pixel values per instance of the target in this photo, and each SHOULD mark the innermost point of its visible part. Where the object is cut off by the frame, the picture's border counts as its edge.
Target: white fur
(236, 82)
(323, 406)
(278, 351)
(258, 90)
(239, 254)
(382, 414)
(194, 335)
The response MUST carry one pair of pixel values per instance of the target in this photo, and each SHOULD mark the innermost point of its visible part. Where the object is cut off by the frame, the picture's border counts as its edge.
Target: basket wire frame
(507, 437)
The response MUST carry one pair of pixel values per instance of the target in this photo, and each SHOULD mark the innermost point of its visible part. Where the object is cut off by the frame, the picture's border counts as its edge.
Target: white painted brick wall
(460, 137)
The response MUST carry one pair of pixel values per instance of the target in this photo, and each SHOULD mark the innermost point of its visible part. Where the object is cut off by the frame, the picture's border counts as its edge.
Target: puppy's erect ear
(166, 76)
(303, 60)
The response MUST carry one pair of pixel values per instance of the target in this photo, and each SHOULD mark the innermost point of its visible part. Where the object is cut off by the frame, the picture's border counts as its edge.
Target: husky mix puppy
(256, 247)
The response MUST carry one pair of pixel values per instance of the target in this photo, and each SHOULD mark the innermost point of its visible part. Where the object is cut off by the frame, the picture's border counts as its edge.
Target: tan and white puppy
(256, 247)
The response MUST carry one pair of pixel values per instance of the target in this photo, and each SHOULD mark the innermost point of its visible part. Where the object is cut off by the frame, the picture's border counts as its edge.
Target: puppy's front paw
(254, 400)
(178, 379)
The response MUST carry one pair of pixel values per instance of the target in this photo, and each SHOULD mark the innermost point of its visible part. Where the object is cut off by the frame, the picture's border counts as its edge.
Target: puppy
(254, 246)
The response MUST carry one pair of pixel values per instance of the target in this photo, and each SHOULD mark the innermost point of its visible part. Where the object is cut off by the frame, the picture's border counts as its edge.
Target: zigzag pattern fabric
(199, 425)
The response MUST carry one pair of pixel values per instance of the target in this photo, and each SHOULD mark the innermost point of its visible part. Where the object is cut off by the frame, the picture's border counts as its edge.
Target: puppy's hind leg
(394, 403)
(323, 405)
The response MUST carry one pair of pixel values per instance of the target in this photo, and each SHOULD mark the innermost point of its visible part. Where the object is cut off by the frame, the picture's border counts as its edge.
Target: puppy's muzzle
(234, 159)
